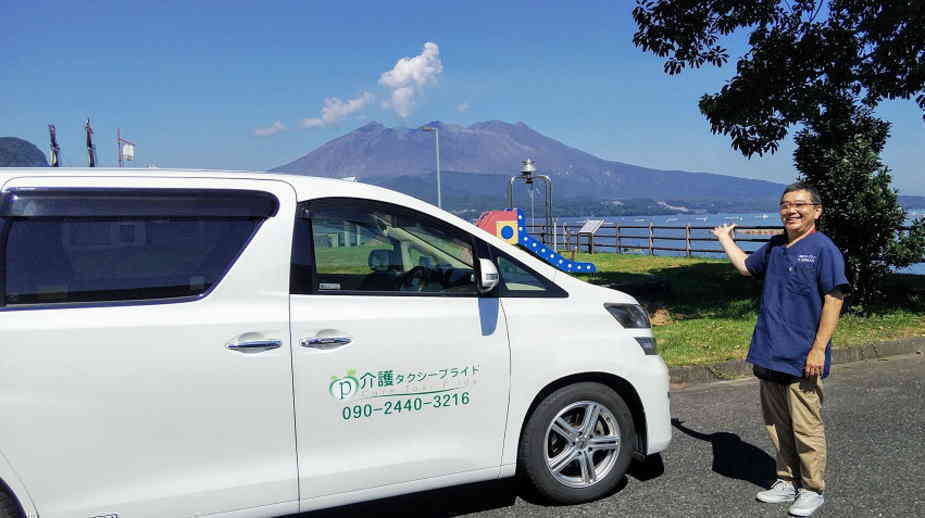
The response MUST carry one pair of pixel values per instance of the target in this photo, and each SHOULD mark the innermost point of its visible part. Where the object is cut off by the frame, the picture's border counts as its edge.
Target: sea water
(678, 220)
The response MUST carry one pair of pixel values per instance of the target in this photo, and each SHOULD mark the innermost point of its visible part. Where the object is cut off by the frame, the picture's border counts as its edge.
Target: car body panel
(142, 410)
(521, 346)
(429, 376)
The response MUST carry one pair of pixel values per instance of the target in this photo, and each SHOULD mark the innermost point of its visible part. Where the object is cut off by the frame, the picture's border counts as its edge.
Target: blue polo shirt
(795, 281)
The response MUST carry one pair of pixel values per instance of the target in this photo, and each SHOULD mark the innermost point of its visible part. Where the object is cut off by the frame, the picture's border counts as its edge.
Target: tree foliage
(824, 65)
(838, 153)
(803, 55)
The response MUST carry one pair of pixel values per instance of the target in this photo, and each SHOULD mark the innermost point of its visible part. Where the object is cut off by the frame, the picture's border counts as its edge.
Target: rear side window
(121, 253)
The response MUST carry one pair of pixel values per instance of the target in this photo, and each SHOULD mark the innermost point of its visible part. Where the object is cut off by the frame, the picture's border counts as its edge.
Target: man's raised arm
(736, 255)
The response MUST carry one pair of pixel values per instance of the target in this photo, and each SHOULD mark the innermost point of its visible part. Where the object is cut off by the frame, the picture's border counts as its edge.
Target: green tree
(824, 65)
(838, 153)
(802, 56)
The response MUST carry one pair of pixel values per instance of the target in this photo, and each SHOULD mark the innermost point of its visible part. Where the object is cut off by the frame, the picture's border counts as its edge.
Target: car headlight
(630, 316)
(633, 316)
(647, 344)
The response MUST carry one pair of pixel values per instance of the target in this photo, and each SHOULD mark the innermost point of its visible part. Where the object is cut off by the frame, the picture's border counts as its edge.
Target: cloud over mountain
(273, 129)
(409, 76)
(336, 109)
(404, 82)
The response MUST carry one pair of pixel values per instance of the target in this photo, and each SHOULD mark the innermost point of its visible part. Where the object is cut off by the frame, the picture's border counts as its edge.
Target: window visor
(93, 202)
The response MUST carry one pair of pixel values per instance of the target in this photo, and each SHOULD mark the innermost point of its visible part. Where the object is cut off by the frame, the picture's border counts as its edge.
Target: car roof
(306, 188)
(304, 185)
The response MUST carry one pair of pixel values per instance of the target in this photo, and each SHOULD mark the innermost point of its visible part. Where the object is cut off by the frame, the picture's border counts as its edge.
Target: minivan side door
(401, 368)
(144, 346)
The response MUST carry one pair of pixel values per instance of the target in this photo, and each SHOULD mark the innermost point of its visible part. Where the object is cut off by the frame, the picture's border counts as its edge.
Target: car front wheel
(577, 445)
(8, 506)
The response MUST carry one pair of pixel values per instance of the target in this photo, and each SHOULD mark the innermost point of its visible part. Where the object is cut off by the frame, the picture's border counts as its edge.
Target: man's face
(798, 213)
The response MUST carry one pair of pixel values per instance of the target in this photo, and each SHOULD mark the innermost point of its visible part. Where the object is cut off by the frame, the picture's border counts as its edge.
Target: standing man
(804, 273)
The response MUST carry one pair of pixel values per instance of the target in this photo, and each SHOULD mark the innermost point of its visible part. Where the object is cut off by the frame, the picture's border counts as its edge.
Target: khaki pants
(793, 416)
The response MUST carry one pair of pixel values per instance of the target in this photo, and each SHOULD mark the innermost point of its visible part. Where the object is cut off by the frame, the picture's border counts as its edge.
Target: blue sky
(193, 83)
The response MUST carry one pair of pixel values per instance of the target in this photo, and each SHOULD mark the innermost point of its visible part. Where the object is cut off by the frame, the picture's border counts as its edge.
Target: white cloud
(336, 109)
(409, 76)
(405, 82)
(272, 130)
(463, 107)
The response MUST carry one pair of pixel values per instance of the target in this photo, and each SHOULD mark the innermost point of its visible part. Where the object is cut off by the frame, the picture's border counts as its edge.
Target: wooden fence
(619, 238)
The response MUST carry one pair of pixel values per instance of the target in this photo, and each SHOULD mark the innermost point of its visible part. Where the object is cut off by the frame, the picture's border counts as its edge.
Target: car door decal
(390, 392)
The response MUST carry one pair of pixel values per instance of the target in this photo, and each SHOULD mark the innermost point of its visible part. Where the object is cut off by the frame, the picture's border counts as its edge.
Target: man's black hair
(800, 186)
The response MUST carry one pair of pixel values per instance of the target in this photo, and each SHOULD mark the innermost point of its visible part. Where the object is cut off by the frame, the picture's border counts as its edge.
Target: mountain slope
(16, 152)
(375, 152)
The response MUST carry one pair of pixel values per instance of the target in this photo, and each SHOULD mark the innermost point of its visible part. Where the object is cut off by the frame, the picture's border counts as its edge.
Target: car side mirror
(489, 277)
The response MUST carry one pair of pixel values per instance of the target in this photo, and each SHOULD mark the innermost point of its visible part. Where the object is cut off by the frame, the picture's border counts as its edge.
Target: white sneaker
(806, 503)
(781, 492)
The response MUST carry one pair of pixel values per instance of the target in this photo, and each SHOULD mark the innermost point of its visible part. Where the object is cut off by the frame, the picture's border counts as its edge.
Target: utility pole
(436, 131)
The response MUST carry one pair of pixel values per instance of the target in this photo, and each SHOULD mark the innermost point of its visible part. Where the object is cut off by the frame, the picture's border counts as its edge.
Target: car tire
(577, 444)
(9, 508)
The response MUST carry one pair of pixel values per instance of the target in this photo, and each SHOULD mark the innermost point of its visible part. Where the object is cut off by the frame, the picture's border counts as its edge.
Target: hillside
(394, 157)
(16, 152)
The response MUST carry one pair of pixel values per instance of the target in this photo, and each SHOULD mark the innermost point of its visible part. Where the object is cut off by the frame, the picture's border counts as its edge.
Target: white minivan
(227, 344)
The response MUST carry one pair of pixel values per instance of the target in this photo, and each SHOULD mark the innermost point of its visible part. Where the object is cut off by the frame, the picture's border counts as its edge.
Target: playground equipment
(509, 225)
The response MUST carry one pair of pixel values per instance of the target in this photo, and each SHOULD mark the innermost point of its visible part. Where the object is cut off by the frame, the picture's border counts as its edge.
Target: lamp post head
(428, 128)
(527, 167)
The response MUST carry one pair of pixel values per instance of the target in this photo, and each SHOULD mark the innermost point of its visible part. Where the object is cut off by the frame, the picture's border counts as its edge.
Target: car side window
(518, 280)
(92, 248)
(364, 246)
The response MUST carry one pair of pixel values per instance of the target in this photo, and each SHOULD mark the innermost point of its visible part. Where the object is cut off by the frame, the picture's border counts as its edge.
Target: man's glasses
(799, 205)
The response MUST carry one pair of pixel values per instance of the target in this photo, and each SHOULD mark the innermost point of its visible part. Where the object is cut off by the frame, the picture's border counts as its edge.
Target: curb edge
(687, 375)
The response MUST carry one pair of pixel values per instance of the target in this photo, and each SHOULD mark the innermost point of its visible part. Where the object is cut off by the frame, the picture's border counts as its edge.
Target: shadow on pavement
(467, 499)
(650, 468)
(733, 457)
(451, 501)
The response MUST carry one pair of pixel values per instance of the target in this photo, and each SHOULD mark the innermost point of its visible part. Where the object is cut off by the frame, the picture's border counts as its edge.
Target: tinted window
(366, 246)
(56, 260)
(517, 280)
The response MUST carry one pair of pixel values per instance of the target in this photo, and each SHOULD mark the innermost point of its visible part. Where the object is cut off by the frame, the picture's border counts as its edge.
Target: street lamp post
(437, 148)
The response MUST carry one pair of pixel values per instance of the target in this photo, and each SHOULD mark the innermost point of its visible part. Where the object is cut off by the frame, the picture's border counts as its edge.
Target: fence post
(590, 243)
(687, 238)
(619, 244)
(555, 235)
(651, 240)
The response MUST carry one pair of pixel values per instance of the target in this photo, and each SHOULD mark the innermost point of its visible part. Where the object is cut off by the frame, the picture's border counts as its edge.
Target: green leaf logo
(344, 388)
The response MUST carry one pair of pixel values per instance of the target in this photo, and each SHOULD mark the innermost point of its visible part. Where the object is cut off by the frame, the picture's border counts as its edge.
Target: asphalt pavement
(720, 457)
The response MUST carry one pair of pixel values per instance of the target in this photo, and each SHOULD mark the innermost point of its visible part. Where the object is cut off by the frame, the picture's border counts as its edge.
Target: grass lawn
(710, 310)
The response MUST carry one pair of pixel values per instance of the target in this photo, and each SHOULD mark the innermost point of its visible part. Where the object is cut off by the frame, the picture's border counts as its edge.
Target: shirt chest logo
(806, 258)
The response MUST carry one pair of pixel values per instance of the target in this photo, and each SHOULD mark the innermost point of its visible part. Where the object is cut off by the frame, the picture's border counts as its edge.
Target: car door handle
(326, 342)
(255, 344)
